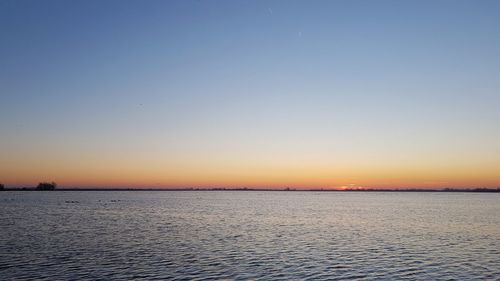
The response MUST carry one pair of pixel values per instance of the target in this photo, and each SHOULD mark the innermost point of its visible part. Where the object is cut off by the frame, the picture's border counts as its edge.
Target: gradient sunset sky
(303, 94)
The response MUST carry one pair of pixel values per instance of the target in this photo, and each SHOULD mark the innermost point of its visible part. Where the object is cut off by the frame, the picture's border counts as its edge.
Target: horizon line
(471, 189)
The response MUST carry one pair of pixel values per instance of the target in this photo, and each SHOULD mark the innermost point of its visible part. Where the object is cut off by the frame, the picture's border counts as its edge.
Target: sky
(267, 94)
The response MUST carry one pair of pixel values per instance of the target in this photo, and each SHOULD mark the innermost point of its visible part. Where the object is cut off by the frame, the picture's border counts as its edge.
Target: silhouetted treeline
(46, 186)
(1, 186)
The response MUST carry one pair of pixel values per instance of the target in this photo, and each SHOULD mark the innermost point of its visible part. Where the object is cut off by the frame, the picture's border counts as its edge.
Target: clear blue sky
(237, 93)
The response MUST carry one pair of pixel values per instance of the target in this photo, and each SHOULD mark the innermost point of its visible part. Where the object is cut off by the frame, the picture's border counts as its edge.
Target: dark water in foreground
(249, 235)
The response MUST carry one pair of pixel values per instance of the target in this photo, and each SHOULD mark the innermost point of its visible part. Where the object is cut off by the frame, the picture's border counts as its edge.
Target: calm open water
(186, 235)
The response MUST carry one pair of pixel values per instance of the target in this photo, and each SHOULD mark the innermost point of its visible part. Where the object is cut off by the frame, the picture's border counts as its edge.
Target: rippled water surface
(249, 235)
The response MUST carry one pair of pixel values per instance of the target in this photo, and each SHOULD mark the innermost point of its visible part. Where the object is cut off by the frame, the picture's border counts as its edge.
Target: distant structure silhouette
(46, 186)
(2, 186)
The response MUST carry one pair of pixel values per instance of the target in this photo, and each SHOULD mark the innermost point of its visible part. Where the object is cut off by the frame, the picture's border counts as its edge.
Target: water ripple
(249, 236)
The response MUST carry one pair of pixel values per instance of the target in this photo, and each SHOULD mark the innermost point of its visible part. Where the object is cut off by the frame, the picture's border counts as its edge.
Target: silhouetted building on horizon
(2, 186)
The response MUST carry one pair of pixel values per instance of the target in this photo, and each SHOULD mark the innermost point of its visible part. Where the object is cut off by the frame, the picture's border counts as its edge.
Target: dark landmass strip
(265, 189)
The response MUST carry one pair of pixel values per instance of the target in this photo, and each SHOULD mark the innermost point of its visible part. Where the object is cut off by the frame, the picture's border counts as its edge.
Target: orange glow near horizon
(308, 162)
(250, 176)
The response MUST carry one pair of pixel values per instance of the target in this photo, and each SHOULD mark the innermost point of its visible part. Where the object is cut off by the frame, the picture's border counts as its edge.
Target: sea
(249, 235)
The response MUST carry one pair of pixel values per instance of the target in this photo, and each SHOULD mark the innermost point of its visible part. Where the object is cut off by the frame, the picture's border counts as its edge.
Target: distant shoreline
(488, 190)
